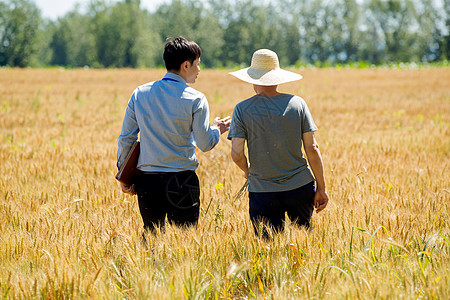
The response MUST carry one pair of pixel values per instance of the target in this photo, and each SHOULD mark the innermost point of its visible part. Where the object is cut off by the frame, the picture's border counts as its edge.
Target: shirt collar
(173, 76)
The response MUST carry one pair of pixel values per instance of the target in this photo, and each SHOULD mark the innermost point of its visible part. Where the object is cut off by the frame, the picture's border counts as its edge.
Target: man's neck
(269, 91)
(176, 73)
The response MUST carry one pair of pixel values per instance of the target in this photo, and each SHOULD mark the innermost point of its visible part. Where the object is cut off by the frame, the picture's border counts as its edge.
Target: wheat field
(68, 232)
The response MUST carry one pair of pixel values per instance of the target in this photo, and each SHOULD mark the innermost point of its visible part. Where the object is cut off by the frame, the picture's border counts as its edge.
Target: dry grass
(66, 230)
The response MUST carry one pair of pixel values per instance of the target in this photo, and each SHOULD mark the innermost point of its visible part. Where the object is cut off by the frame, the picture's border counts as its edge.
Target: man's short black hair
(179, 50)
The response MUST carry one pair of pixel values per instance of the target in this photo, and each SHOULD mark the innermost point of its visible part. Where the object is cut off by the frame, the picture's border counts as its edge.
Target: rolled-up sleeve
(129, 133)
(206, 136)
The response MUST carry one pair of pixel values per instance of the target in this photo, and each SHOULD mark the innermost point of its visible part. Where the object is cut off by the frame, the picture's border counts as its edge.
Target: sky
(52, 9)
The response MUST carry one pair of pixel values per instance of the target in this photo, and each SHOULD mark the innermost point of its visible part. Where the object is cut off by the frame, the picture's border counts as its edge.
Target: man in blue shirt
(172, 119)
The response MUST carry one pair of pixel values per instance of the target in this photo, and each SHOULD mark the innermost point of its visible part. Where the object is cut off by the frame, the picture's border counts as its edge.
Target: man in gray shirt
(275, 125)
(172, 119)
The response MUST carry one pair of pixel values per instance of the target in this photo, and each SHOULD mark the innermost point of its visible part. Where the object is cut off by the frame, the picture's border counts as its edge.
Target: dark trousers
(172, 194)
(269, 208)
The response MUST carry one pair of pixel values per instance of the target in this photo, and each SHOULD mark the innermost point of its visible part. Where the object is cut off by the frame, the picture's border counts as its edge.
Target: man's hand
(320, 200)
(128, 189)
(222, 124)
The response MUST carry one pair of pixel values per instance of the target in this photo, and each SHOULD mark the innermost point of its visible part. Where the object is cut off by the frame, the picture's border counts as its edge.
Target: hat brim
(266, 77)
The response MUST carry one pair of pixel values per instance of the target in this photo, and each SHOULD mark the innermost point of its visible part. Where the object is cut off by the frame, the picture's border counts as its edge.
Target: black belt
(152, 173)
(163, 173)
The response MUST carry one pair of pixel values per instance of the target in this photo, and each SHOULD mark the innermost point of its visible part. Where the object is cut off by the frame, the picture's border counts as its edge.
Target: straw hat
(265, 70)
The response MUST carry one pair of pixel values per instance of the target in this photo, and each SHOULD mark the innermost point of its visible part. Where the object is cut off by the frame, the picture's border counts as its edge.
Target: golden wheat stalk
(241, 191)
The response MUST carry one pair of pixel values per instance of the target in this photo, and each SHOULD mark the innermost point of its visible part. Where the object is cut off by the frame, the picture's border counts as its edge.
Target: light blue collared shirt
(172, 119)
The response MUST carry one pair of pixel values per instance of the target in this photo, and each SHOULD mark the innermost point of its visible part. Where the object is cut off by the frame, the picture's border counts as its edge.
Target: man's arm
(129, 132)
(128, 136)
(315, 162)
(238, 154)
(206, 135)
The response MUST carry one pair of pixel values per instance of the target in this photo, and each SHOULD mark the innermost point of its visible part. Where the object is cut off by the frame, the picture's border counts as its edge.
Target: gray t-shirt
(273, 128)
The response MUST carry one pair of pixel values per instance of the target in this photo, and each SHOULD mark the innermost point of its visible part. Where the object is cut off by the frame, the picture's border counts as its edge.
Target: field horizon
(67, 231)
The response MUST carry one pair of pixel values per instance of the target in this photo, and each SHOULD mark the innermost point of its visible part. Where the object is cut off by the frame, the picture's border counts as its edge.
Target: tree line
(319, 32)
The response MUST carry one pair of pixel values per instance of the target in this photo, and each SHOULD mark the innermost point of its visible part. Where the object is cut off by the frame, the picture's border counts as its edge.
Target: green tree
(290, 48)
(251, 27)
(314, 18)
(444, 37)
(72, 42)
(436, 20)
(121, 34)
(124, 35)
(192, 20)
(344, 31)
(44, 53)
(19, 27)
(389, 31)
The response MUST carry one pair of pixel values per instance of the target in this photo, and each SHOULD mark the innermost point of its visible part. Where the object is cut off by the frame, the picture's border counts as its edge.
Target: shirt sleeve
(307, 120)
(237, 127)
(205, 136)
(129, 133)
